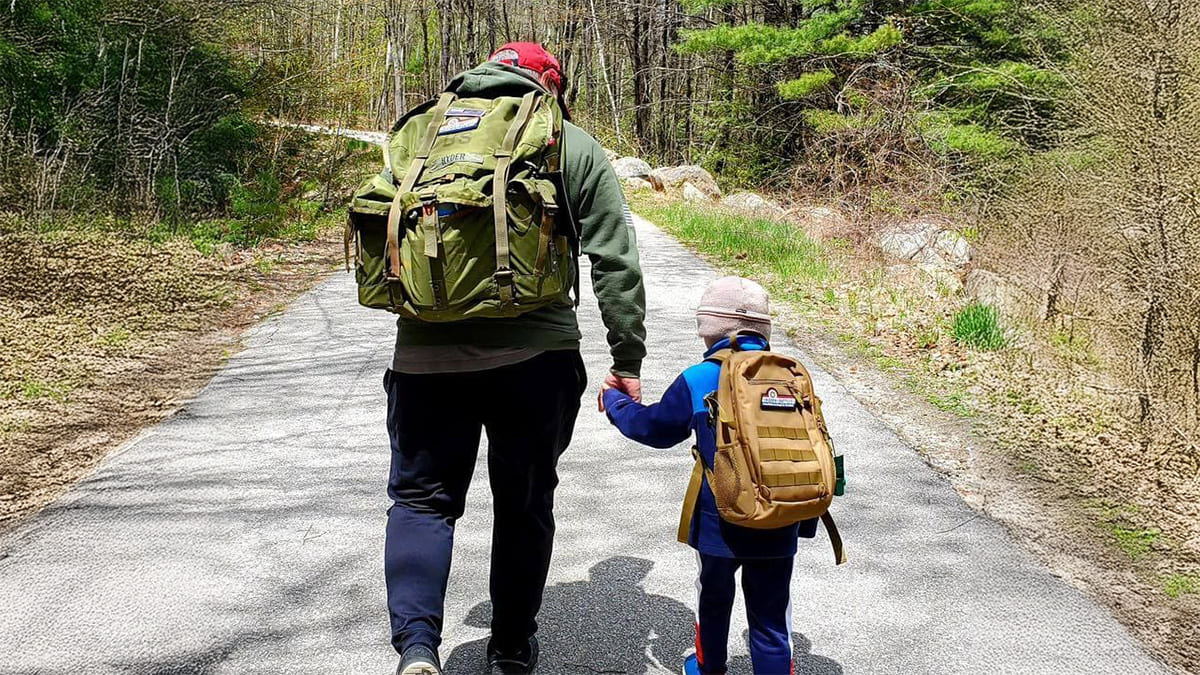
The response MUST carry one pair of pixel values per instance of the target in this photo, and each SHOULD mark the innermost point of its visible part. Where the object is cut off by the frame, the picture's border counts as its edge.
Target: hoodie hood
(490, 79)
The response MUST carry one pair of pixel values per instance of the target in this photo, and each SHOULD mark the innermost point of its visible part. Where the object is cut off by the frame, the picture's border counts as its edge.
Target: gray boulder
(989, 288)
(925, 244)
(822, 222)
(755, 204)
(953, 248)
(691, 193)
(676, 176)
(630, 167)
(636, 184)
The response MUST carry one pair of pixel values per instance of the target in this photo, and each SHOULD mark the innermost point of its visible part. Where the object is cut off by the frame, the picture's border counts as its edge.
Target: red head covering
(532, 57)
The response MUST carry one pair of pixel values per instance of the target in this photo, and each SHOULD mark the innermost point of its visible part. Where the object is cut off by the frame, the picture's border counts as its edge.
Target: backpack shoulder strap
(720, 357)
(504, 274)
(410, 178)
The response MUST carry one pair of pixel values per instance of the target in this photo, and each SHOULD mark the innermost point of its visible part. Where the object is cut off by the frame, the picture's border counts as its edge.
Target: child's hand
(632, 386)
(604, 386)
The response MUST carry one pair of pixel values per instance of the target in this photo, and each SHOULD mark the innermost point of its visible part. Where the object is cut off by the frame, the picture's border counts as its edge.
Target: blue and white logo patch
(460, 119)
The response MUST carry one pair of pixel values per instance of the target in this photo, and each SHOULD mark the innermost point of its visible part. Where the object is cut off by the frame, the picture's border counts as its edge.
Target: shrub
(978, 326)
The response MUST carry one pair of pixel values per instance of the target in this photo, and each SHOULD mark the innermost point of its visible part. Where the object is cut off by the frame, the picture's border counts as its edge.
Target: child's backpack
(468, 225)
(774, 463)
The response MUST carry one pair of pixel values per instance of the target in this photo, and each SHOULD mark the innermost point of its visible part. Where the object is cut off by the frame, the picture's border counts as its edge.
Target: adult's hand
(632, 386)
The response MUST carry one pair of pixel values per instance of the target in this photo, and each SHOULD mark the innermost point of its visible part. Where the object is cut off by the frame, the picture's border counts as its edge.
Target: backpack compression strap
(504, 274)
(410, 179)
(839, 552)
(690, 497)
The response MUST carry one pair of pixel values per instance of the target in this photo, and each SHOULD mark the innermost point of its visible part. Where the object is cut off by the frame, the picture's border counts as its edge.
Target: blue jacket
(679, 414)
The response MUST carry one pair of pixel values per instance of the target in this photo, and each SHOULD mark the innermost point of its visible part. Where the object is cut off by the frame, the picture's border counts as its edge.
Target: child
(764, 556)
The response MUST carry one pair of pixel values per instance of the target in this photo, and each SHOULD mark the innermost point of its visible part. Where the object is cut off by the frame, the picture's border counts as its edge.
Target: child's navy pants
(435, 422)
(766, 588)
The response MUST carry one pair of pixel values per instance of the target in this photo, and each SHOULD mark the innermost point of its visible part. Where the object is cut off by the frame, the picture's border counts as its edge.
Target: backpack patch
(460, 119)
(773, 400)
(454, 158)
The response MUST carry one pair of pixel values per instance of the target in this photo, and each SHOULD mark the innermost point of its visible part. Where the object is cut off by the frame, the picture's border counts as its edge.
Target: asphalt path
(245, 534)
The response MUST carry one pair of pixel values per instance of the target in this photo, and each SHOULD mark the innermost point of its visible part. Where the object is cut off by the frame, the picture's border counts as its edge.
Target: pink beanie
(730, 304)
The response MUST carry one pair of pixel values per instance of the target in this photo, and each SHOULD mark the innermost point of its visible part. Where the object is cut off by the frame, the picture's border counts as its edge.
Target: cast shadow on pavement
(804, 661)
(609, 624)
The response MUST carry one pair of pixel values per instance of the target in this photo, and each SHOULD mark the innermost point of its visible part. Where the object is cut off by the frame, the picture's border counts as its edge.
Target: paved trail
(244, 534)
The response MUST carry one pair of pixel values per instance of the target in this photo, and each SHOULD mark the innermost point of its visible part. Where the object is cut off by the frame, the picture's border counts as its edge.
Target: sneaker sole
(421, 668)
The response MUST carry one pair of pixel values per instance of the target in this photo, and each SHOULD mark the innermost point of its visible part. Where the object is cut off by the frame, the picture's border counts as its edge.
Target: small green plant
(953, 401)
(116, 338)
(1136, 543)
(890, 364)
(1175, 585)
(978, 326)
(264, 265)
(1118, 521)
(1022, 402)
(33, 389)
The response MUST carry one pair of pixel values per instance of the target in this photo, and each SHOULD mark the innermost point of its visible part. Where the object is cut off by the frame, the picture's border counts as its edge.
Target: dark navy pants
(766, 585)
(435, 421)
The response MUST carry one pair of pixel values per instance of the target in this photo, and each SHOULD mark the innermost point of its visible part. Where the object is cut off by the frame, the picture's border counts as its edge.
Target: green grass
(1022, 402)
(1118, 521)
(115, 338)
(1175, 585)
(1134, 542)
(32, 389)
(752, 246)
(951, 401)
(978, 326)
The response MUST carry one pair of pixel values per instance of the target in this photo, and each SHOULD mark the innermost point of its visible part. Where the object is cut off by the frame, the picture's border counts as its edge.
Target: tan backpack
(774, 464)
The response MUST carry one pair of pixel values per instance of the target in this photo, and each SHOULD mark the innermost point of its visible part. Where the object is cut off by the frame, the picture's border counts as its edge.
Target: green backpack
(438, 241)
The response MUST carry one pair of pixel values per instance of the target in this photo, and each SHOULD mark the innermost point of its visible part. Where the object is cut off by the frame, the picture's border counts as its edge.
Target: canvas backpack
(774, 463)
(467, 219)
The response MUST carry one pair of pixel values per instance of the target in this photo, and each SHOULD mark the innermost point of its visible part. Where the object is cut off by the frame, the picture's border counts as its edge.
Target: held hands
(630, 385)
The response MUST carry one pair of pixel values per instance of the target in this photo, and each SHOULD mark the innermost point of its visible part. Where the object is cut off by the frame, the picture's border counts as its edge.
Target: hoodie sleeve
(609, 241)
(661, 425)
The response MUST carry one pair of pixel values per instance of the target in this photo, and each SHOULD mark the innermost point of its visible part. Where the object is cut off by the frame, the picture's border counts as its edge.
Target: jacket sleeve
(608, 239)
(661, 425)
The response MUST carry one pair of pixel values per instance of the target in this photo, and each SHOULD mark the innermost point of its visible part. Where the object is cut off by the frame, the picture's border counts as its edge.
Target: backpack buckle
(504, 276)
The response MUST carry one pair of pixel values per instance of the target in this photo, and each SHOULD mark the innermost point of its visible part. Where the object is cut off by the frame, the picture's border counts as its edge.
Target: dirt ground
(92, 352)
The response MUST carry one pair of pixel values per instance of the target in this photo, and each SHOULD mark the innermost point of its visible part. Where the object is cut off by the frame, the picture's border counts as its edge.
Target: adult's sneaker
(518, 662)
(419, 660)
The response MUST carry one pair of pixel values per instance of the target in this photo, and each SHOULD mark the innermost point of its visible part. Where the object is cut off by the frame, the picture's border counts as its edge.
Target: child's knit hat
(730, 304)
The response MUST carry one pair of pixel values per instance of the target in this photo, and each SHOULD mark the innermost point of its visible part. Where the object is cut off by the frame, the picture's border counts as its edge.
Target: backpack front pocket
(447, 261)
(541, 256)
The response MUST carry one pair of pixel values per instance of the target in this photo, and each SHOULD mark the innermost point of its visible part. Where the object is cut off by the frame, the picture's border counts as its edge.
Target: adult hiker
(487, 336)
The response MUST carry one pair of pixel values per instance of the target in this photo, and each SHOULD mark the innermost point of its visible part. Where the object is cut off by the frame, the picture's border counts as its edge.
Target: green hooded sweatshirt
(608, 239)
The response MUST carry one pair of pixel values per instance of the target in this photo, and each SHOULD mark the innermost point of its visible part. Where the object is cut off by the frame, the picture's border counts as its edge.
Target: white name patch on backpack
(773, 400)
(460, 119)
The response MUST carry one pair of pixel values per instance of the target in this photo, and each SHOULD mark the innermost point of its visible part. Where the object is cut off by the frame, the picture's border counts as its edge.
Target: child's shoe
(691, 665)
